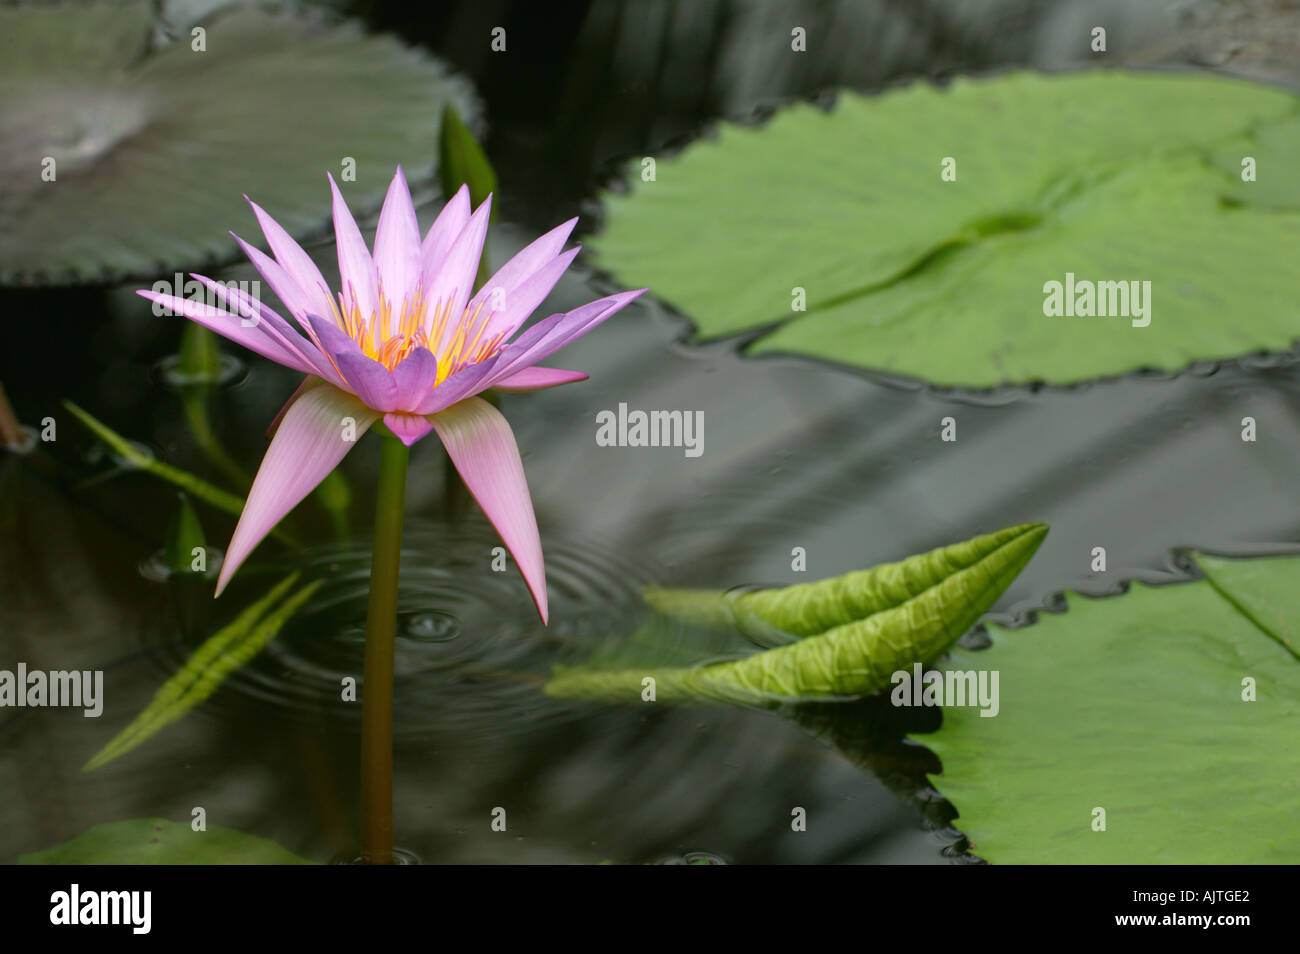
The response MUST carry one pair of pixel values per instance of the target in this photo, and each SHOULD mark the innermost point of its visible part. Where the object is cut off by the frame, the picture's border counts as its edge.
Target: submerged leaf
(850, 633)
(842, 230)
(157, 841)
(1157, 726)
(208, 667)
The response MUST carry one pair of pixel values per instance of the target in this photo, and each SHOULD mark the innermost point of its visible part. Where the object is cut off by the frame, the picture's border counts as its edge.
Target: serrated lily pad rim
(364, 206)
(1026, 616)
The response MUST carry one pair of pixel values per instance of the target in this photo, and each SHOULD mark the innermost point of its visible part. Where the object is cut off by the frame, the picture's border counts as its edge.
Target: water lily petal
(437, 243)
(356, 267)
(256, 338)
(314, 435)
(362, 375)
(537, 377)
(482, 446)
(510, 307)
(397, 244)
(533, 256)
(310, 350)
(555, 331)
(464, 383)
(453, 280)
(526, 263)
(415, 375)
(299, 302)
(294, 260)
(369, 380)
(308, 382)
(408, 427)
(334, 341)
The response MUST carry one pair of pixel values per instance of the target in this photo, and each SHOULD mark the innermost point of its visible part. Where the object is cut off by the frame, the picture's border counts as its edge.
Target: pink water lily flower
(405, 341)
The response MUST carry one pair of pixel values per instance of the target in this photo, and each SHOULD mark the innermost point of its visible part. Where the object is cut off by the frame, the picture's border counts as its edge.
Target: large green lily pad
(1134, 704)
(1110, 176)
(156, 841)
(154, 149)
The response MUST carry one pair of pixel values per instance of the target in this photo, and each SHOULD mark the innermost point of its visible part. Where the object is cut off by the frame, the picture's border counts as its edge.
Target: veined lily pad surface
(915, 232)
(1174, 710)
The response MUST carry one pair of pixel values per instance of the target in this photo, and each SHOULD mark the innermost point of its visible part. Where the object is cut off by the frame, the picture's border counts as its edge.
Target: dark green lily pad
(153, 150)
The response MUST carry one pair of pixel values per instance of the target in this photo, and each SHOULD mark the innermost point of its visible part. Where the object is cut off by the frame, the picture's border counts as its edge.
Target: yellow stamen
(419, 326)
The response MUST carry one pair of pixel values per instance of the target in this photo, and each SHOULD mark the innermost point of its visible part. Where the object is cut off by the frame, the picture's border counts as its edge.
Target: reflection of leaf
(857, 629)
(183, 536)
(207, 668)
(153, 150)
(1134, 704)
(119, 445)
(132, 455)
(156, 841)
(1054, 175)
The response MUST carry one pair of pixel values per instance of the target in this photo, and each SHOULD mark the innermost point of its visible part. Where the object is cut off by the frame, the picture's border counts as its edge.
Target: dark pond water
(847, 465)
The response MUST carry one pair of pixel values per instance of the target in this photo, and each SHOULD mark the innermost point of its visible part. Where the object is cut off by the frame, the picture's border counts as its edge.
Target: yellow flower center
(455, 342)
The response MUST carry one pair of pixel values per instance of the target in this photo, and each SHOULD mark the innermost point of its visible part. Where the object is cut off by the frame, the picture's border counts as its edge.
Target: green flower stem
(381, 627)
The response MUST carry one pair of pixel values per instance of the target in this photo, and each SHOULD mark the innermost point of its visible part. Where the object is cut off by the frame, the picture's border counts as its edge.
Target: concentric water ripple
(470, 648)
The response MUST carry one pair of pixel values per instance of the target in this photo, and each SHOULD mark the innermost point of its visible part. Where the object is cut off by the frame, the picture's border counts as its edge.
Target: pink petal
(462, 384)
(361, 374)
(415, 375)
(516, 303)
(369, 380)
(555, 331)
(255, 338)
(482, 446)
(235, 299)
(294, 260)
(453, 280)
(537, 377)
(528, 260)
(307, 383)
(397, 244)
(300, 303)
(356, 268)
(310, 441)
(408, 427)
(437, 243)
(525, 264)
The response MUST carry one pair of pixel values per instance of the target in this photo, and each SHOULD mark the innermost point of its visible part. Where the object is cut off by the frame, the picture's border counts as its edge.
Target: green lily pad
(1274, 147)
(154, 149)
(840, 638)
(156, 841)
(1109, 176)
(1135, 704)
